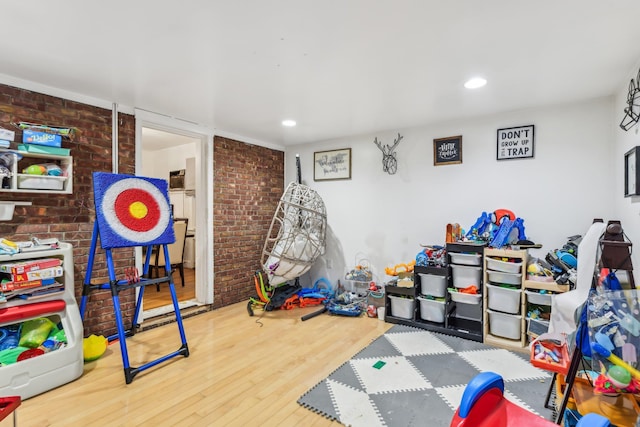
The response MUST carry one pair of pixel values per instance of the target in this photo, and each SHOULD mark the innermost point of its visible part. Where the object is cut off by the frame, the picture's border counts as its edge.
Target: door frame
(204, 199)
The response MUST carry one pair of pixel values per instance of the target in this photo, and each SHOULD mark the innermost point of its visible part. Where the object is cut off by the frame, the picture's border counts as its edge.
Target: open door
(164, 145)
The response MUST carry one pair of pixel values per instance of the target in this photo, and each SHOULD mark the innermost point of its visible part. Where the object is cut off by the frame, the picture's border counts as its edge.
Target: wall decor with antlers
(389, 162)
(632, 110)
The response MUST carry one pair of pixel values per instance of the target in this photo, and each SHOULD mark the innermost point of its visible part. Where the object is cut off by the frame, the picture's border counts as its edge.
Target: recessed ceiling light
(289, 123)
(475, 83)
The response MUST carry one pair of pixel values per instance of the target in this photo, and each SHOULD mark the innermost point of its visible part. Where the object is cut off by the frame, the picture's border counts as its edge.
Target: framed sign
(632, 172)
(331, 165)
(515, 143)
(447, 151)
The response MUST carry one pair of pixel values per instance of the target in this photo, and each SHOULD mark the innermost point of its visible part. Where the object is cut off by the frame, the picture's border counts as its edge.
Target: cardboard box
(41, 138)
(7, 134)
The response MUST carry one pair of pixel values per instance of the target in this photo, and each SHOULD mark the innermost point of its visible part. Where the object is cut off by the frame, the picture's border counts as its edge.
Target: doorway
(164, 145)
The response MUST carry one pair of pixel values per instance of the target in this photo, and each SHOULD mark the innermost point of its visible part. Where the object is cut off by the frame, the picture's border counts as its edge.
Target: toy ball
(619, 377)
(35, 170)
(94, 347)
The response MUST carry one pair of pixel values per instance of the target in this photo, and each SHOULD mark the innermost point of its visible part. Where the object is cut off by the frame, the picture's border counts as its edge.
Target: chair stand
(116, 286)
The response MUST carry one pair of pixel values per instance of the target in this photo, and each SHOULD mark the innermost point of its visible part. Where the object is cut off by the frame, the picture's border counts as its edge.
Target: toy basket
(549, 352)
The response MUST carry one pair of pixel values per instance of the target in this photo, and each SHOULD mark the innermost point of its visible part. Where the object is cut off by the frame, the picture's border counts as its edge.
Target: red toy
(483, 405)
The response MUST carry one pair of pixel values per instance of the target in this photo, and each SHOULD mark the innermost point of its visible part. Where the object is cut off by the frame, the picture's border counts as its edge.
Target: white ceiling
(337, 67)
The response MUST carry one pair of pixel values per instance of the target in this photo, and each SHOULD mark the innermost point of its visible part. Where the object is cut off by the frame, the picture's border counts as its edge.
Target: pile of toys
(563, 262)
(498, 228)
(432, 256)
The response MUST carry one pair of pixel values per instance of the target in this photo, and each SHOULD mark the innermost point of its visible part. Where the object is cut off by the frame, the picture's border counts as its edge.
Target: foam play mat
(412, 377)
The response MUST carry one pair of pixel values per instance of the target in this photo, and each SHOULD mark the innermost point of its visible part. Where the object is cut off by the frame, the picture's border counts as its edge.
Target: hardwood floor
(154, 299)
(238, 373)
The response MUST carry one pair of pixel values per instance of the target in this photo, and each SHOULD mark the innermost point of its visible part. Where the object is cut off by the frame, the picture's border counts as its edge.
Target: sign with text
(515, 143)
(447, 151)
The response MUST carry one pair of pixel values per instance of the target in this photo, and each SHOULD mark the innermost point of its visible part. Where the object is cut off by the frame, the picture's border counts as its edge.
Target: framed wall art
(632, 172)
(331, 165)
(447, 151)
(515, 143)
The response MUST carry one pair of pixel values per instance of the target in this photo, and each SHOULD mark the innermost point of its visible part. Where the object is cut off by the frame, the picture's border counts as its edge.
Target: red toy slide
(483, 405)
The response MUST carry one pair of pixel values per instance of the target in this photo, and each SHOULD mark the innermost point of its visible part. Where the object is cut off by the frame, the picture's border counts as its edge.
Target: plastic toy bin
(465, 259)
(36, 182)
(534, 297)
(507, 278)
(431, 310)
(503, 299)
(465, 276)
(402, 307)
(431, 284)
(503, 266)
(505, 325)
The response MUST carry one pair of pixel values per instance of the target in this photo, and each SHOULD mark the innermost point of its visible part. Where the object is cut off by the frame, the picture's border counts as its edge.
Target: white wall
(158, 163)
(626, 208)
(384, 218)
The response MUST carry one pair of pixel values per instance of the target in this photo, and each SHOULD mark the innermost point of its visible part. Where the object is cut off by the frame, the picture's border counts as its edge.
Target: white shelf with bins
(26, 183)
(36, 375)
(504, 321)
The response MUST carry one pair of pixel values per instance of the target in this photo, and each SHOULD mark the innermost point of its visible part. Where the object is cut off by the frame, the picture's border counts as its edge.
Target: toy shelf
(458, 319)
(29, 377)
(25, 183)
(508, 329)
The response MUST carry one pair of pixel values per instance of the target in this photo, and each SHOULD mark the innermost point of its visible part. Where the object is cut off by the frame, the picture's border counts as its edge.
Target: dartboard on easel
(132, 210)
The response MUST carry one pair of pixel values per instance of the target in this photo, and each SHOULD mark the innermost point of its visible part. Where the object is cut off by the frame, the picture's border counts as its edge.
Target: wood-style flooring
(155, 299)
(239, 373)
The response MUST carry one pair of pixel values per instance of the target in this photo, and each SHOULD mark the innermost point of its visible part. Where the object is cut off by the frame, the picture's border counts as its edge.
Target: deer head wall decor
(389, 162)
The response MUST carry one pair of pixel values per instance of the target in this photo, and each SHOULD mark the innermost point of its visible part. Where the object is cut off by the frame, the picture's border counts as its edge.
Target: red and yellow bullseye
(137, 209)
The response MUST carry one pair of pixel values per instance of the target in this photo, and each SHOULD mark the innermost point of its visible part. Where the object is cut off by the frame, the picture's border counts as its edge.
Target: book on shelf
(45, 273)
(8, 286)
(34, 289)
(21, 267)
(41, 293)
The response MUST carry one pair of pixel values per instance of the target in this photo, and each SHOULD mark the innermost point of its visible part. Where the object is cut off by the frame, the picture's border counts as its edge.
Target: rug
(413, 377)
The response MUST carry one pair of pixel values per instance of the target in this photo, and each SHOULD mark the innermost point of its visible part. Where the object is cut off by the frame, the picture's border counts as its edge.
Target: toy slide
(483, 405)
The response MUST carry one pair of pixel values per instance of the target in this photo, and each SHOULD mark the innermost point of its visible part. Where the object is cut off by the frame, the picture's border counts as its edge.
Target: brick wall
(249, 181)
(70, 217)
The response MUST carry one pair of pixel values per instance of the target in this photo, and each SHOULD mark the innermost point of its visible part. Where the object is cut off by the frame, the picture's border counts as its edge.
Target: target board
(132, 210)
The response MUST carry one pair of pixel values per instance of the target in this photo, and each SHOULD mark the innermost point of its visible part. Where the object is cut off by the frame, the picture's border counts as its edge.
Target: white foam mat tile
(515, 399)
(452, 395)
(353, 407)
(503, 363)
(398, 374)
(416, 343)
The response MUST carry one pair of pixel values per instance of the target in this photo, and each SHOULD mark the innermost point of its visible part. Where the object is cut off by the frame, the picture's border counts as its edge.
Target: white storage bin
(465, 259)
(505, 325)
(504, 266)
(503, 299)
(39, 182)
(534, 297)
(431, 310)
(433, 285)
(402, 307)
(507, 278)
(465, 276)
(465, 298)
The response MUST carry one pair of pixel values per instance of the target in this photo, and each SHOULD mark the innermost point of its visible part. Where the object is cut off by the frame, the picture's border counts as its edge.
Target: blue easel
(118, 212)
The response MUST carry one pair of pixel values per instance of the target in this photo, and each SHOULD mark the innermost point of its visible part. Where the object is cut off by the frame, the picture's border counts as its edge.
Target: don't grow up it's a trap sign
(515, 143)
